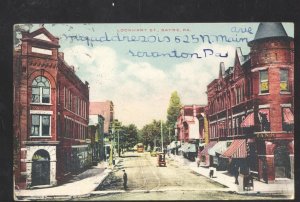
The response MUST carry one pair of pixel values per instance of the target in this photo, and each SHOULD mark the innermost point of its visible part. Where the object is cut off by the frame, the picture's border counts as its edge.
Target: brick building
(106, 110)
(96, 132)
(250, 107)
(50, 108)
(190, 129)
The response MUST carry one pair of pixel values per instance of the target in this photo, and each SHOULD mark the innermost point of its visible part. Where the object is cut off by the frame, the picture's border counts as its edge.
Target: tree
(173, 112)
(151, 134)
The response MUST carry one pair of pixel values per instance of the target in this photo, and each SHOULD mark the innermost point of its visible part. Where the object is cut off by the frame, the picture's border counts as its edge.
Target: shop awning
(219, 148)
(191, 148)
(184, 147)
(237, 149)
(288, 116)
(248, 121)
(202, 144)
(173, 144)
(188, 147)
(208, 146)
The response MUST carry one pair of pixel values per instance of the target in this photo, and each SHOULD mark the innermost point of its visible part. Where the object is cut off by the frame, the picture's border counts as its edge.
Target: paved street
(147, 181)
(144, 174)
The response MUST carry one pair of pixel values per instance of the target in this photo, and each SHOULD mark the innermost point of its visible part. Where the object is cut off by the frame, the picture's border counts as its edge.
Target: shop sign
(265, 135)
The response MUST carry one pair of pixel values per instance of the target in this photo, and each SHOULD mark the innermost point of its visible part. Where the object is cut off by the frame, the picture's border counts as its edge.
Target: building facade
(96, 132)
(106, 110)
(251, 105)
(50, 107)
(191, 130)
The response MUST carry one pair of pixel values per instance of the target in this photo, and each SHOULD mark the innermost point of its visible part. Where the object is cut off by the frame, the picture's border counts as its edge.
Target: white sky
(140, 87)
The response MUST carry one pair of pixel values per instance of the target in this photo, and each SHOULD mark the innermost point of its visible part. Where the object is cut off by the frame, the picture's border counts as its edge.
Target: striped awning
(288, 116)
(208, 146)
(220, 147)
(237, 149)
(248, 121)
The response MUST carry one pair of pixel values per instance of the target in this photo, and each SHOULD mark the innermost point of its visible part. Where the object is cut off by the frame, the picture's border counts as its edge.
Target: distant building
(50, 110)
(250, 107)
(96, 132)
(190, 129)
(106, 110)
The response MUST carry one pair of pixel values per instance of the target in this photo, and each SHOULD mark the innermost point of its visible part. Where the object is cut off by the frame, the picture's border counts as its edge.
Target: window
(40, 125)
(40, 90)
(65, 100)
(287, 119)
(264, 118)
(264, 81)
(284, 80)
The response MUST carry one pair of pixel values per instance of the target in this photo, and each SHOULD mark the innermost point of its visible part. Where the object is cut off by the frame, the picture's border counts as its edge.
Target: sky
(138, 66)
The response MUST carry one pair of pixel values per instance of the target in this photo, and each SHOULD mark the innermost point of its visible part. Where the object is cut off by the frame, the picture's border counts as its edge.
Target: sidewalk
(285, 187)
(81, 185)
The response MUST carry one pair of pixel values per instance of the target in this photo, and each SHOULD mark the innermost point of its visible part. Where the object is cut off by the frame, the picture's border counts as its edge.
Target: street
(144, 174)
(147, 181)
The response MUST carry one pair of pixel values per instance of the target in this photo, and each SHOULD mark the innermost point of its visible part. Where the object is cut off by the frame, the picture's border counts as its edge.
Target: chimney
(72, 67)
(222, 69)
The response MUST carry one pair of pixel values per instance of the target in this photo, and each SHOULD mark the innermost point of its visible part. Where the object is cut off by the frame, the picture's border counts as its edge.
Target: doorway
(282, 162)
(40, 168)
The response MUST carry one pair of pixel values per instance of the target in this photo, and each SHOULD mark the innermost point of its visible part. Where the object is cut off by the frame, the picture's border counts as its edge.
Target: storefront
(236, 155)
(204, 156)
(81, 157)
(215, 152)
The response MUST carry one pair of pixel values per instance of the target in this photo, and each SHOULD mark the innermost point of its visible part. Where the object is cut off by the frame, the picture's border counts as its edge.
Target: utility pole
(162, 139)
(119, 142)
(169, 135)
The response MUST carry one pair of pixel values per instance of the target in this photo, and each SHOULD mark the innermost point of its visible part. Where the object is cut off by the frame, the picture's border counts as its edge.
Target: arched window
(40, 90)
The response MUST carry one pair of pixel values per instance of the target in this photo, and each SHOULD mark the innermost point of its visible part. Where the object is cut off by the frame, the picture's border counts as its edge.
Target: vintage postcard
(153, 111)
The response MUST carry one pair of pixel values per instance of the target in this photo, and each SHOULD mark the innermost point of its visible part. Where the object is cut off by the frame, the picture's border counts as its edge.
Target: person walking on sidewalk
(236, 174)
(125, 179)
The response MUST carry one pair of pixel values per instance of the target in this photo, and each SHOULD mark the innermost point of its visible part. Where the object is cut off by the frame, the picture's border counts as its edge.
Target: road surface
(147, 181)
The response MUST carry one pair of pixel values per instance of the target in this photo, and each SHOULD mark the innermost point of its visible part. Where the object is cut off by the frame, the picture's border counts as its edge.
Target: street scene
(166, 111)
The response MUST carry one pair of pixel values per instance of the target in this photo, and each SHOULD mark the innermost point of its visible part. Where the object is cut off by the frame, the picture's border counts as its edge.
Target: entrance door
(40, 168)
(282, 162)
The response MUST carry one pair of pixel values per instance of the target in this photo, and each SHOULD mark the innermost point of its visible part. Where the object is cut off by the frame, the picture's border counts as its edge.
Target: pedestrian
(236, 174)
(125, 179)
(211, 172)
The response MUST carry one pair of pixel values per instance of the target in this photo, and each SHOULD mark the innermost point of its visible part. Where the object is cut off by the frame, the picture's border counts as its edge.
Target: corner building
(252, 104)
(50, 107)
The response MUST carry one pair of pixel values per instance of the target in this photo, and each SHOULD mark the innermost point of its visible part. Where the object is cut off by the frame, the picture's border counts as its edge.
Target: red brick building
(50, 107)
(251, 104)
(190, 128)
(106, 110)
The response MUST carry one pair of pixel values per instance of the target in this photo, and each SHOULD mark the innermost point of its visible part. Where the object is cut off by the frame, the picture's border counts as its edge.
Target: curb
(68, 197)
(252, 192)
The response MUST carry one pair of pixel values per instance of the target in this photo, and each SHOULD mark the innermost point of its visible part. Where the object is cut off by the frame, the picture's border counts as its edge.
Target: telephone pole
(162, 139)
